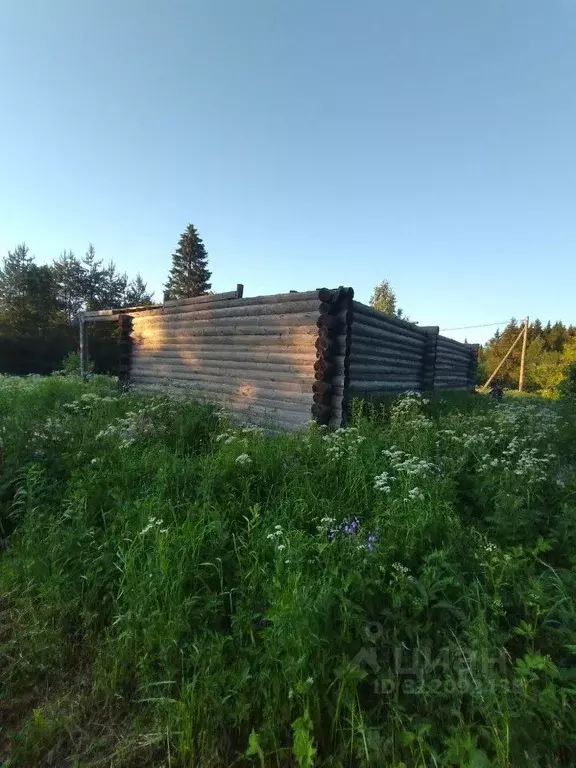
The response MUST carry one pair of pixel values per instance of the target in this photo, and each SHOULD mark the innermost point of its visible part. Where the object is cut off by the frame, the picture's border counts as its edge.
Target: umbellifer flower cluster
(408, 408)
(343, 443)
(155, 523)
(137, 424)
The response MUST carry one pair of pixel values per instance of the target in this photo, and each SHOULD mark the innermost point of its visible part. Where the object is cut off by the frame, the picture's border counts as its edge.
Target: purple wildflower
(371, 541)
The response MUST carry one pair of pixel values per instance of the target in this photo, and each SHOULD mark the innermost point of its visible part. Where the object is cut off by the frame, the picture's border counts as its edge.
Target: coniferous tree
(189, 275)
(137, 294)
(27, 293)
(70, 280)
(384, 300)
(94, 274)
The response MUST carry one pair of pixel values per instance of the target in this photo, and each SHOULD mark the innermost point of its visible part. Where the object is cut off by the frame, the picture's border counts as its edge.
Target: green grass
(164, 603)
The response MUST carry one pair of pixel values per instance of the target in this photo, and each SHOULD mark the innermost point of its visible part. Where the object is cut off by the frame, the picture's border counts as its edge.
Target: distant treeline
(39, 305)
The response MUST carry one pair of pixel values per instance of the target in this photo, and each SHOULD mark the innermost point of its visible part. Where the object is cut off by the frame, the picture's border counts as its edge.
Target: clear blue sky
(312, 142)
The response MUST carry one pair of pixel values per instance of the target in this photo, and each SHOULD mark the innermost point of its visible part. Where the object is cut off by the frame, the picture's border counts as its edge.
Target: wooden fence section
(282, 359)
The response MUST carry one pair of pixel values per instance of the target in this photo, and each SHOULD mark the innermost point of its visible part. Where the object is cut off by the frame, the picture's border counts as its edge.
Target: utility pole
(506, 356)
(523, 356)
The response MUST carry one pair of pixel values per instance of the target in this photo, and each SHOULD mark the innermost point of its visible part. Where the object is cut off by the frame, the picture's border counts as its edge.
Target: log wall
(254, 356)
(455, 364)
(284, 359)
(389, 355)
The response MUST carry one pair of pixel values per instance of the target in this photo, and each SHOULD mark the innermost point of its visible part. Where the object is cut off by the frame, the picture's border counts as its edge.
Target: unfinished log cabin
(284, 359)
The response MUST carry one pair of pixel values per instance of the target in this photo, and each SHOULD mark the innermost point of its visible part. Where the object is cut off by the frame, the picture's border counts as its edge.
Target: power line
(467, 327)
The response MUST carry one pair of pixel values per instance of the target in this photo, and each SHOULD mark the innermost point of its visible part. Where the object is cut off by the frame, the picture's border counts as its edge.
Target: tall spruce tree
(189, 275)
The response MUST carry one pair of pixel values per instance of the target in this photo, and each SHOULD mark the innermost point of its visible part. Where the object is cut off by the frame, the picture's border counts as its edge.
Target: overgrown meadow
(179, 591)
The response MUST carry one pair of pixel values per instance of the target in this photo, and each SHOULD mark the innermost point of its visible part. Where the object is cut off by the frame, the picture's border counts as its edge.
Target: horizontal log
(450, 366)
(202, 299)
(453, 362)
(385, 367)
(363, 331)
(193, 331)
(441, 356)
(383, 386)
(397, 387)
(444, 341)
(384, 354)
(94, 313)
(235, 382)
(386, 323)
(310, 297)
(245, 308)
(456, 349)
(102, 319)
(262, 371)
(452, 370)
(238, 343)
(398, 375)
(364, 309)
(182, 319)
(295, 357)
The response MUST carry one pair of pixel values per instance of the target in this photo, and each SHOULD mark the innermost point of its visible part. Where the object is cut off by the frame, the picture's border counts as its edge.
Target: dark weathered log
(321, 413)
(444, 356)
(383, 386)
(330, 294)
(392, 375)
(334, 323)
(363, 331)
(365, 310)
(321, 387)
(444, 341)
(448, 368)
(413, 362)
(384, 367)
(385, 323)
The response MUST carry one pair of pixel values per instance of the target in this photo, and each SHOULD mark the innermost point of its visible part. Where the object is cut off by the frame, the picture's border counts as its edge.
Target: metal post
(83, 347)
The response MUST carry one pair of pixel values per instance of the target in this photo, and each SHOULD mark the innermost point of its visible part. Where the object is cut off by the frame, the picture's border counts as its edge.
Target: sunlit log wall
(282, 359)
(269, 359)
